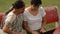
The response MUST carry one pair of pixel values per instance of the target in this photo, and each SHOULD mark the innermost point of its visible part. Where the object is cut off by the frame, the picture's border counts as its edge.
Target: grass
(50, 26)
(6, 4)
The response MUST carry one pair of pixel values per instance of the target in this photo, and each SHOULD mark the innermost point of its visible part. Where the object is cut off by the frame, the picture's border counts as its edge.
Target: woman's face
(35, 7)
(21, 10)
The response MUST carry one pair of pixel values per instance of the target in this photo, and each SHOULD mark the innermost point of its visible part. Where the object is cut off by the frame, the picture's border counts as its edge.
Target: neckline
(33, 15)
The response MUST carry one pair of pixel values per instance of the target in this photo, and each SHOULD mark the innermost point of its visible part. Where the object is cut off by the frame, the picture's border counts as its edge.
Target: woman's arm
(43, 21)
(8, 21)
(7, 29)
(25, 26)
(43, 24)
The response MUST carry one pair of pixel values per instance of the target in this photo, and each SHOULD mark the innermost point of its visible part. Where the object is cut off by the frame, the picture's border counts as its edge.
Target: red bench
(1, 15)
(52, 16)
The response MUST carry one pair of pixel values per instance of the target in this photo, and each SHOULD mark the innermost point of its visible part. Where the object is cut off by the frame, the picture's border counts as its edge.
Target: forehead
(21, 8)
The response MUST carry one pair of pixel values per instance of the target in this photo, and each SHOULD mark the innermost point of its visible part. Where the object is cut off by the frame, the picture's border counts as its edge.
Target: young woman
(14, 19)
(34, 17)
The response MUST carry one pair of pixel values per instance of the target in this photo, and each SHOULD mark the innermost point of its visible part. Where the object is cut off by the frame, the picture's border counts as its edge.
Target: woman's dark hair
(17, 5)
(36, 2)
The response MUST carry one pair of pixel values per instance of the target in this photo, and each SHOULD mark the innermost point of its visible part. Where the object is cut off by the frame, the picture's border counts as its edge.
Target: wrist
(42, 27)
(12, 32)
(32, 32)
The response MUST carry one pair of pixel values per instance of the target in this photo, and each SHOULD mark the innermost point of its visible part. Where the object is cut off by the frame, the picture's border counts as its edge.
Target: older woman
(14, 19)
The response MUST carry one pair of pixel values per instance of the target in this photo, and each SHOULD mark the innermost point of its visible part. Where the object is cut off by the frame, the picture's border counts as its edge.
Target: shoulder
(42, 11)
(41, 8)
(10, 17)
(11, 14)
(26, 10)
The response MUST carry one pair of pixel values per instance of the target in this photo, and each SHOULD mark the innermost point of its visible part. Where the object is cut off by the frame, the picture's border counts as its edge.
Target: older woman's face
(21, 10)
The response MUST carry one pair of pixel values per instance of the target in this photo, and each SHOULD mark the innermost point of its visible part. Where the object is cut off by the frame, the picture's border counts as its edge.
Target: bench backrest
(51, 14)
(1, 15)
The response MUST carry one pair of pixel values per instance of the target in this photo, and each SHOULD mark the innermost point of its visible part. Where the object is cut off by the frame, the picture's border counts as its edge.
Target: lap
(1, 32)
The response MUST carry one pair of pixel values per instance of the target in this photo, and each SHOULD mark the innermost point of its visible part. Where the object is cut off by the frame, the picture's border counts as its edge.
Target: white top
(34, 22)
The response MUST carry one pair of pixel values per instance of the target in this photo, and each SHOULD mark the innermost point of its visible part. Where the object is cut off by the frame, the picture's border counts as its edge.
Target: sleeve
(25, 16)
(43, 13)
(9, 19)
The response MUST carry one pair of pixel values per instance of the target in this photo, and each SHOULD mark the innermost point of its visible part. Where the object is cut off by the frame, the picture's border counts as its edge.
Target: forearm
(25, 25)
(28, 29)
(43, 21)
(43, 25)
(8, 31)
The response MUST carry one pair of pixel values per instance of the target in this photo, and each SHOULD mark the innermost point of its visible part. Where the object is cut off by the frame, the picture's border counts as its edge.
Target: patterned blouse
(14, 22)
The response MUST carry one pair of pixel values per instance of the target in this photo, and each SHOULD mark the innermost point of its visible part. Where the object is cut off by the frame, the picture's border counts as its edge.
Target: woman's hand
(42, 30)
(21, 33)
(15, 33)
(18, 33)
(34, 32)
